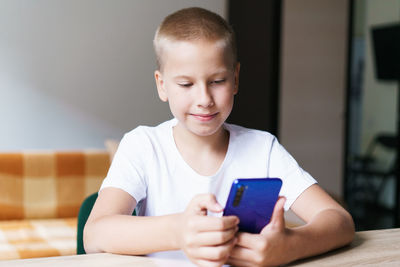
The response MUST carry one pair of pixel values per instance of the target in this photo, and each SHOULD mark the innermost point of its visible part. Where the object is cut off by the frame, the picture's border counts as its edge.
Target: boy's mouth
(204, 117)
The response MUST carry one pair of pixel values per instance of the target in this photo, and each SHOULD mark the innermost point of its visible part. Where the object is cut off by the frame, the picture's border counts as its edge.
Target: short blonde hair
(192, 24)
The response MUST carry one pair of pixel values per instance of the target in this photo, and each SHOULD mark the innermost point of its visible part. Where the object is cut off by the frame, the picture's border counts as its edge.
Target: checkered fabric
(21, 239)
(49, 184)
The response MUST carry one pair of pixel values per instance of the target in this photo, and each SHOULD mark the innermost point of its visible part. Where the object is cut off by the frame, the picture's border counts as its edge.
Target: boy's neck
(216, 142)
(204, 154)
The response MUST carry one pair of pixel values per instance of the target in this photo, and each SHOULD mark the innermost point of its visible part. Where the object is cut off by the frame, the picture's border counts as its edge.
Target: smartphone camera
(238, 195)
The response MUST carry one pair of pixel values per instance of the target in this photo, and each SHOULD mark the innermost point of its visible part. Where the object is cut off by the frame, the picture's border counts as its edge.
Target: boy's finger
(277, 220)
(246, 240)
(240, 256)
(280, 211)
(207, 223)
(237, 262)
(215, 253)
(215, 238)
(201, 203)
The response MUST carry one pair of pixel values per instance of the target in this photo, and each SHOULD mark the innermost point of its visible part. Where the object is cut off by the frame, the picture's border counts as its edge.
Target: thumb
(201, 203)
(277, 222)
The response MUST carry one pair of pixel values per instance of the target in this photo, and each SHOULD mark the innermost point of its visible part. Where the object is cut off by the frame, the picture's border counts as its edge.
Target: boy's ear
(237, 71)
(160, 86)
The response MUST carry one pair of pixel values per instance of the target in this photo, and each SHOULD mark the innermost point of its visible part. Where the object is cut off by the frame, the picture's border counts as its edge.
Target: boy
(176, 172)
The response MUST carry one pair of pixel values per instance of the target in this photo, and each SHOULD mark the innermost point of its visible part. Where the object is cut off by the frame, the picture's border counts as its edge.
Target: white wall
(74, 73)
(313, 87)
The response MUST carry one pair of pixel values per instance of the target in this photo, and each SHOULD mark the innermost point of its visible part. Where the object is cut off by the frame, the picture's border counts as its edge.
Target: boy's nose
(204, 97)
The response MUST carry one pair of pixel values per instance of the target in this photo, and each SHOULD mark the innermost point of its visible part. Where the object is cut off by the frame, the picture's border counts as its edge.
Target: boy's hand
(207, 241)
(264, 249)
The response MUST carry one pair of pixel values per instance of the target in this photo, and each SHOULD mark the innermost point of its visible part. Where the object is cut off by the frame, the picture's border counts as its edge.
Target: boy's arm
(328, 226)
(111, 228)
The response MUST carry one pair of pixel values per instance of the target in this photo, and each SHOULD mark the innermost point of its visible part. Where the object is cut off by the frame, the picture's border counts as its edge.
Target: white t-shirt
(149, 167)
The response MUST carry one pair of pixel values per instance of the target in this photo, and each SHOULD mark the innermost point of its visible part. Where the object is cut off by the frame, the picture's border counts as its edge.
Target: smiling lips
(204, 117)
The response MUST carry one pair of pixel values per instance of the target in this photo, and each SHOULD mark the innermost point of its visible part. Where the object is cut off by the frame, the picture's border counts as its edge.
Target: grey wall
(313, 87)
(74, 73)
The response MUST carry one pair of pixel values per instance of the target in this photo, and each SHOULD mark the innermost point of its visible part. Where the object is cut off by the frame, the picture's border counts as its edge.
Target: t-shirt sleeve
(294, 179)
(127, 168)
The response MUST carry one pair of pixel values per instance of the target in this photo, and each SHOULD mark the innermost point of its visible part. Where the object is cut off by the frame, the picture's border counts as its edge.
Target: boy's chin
(205, 131)
(201, 129)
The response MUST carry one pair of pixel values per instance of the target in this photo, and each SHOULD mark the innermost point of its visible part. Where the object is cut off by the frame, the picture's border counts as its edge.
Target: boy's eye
(185, 84)
(218, 81)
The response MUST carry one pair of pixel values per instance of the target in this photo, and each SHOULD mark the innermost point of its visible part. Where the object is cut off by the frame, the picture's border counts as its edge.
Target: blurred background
(74, 74)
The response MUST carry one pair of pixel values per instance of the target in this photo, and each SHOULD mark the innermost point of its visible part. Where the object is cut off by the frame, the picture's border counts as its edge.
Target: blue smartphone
(253, 201)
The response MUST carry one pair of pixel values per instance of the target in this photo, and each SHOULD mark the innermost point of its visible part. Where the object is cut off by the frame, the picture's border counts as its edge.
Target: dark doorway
(257, 25)
(372, 123)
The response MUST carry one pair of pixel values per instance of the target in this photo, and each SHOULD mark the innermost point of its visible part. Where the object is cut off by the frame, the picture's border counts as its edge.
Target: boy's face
(199, 82)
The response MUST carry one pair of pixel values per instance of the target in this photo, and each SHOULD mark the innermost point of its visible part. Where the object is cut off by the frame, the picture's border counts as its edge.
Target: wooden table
(369, 248)
(372, 248)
